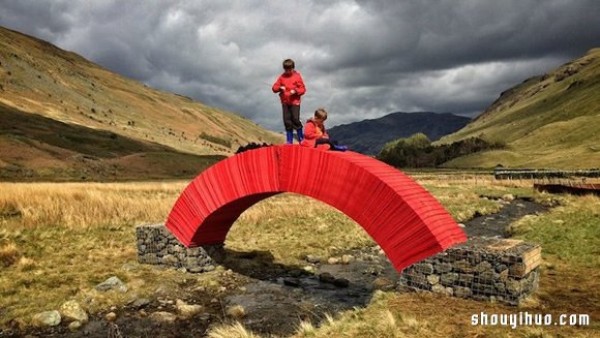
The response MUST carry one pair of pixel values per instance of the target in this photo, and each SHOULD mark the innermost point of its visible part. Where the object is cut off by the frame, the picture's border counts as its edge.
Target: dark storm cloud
(360, 59)
(45, 20)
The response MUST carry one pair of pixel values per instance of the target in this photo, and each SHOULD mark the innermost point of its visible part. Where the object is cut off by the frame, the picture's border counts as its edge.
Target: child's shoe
(339, 148)
(300, 133)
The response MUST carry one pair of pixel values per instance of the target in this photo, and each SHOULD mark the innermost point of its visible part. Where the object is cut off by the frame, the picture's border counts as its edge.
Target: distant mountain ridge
(369, 136)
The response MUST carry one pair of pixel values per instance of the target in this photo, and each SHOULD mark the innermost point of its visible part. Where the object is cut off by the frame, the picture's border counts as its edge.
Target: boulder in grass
(188, 310)
(163, 317)
(71, 311)
(46, 319)
(112, 283)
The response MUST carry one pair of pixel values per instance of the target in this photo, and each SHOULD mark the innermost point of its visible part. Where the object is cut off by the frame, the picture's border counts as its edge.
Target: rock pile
(504, 270)
(156, 245)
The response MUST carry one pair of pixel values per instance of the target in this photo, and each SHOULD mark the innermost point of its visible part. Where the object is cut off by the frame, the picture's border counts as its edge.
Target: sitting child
(315, 135)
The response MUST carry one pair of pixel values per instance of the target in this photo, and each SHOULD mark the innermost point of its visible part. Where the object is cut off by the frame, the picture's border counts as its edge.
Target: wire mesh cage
(493, 269)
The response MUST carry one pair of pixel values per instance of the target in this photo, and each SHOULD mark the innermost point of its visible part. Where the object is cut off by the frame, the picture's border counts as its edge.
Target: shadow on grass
(258, 264)
(279, 297)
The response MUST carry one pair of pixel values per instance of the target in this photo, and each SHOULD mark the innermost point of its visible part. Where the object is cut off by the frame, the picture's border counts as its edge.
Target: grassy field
(57, 241)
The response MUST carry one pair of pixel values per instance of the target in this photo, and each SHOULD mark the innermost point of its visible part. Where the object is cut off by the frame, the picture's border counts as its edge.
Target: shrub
(9, 255)
(418, 152)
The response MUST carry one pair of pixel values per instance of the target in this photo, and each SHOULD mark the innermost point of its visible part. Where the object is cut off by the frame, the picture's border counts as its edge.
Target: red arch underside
(401, 216)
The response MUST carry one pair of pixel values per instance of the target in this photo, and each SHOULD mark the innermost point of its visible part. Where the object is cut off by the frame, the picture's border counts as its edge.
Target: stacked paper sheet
(401, 216)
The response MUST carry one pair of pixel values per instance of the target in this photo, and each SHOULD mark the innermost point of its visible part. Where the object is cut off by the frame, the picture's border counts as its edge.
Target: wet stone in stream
(275, 305)
(496, 225)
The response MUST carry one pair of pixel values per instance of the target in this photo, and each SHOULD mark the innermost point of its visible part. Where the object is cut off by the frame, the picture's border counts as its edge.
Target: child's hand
(292, 92)
(282, 89)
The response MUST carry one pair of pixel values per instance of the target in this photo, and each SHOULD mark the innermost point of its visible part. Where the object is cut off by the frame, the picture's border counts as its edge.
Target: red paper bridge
(401, 216)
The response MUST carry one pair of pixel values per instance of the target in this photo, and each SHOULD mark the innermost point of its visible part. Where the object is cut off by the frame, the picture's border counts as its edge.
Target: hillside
(46, 91)
(548, 121)
(40, 78)
(34, 147)
(369, 136)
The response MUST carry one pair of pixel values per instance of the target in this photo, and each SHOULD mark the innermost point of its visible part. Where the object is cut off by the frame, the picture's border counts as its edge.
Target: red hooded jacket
(312, 132)
(290, 82)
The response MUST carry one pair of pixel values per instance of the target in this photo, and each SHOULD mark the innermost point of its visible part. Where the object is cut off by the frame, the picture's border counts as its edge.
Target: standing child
(290, 87)
(316, 135)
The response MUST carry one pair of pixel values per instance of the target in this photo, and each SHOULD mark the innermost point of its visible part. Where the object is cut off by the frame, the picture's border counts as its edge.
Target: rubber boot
(289, 136)
(300, 133)
(339, 148)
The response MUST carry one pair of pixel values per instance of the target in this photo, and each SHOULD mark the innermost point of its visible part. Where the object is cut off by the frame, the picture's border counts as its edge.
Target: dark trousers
(291, 117)
(331, 143)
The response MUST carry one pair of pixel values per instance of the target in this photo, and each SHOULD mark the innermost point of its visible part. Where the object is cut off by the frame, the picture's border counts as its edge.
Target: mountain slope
(549, 121)
(369, 136)
(33, 147)
(39, 78)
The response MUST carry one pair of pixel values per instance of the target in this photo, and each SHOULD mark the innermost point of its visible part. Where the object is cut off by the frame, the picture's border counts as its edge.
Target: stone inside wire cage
(503, 270)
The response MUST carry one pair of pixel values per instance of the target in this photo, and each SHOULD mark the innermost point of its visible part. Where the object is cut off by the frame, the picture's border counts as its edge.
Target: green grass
(544, 122)
(465, 196)
(568, 234)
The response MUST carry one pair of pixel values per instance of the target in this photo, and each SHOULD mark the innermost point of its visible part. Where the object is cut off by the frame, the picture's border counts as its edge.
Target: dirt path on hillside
(276, 298)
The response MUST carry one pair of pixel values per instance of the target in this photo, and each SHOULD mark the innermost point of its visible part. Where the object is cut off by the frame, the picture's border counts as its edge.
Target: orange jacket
(290, 82)
(312, 132)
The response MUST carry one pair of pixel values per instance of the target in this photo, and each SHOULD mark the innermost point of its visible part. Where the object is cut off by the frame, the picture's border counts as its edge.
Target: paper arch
(407, 222)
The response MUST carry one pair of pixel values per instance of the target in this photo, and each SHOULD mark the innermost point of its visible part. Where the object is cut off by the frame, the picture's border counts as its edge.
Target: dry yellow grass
(57, 240)
(291, 226)
(236, 330)
(63, 239)
(377, 320)
(85, 205)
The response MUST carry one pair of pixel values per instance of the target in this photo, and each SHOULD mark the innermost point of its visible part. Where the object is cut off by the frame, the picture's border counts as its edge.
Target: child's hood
(313, 121)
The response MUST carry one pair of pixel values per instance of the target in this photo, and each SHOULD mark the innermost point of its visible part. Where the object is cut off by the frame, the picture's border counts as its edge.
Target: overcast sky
(359, 59)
